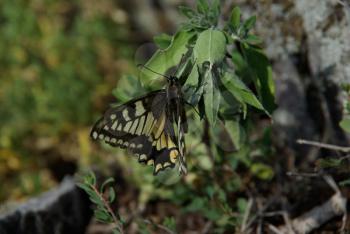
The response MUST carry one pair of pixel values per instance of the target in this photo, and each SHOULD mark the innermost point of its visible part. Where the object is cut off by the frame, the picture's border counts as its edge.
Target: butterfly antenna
(149, 69)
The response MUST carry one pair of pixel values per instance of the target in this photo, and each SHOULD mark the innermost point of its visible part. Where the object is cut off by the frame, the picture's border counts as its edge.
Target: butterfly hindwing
(141, 125)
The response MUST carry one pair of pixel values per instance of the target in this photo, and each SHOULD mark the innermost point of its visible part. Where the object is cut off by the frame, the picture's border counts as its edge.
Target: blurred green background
(59, 61)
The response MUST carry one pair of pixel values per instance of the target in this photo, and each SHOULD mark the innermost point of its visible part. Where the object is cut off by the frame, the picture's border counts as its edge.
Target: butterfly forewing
(143, 126)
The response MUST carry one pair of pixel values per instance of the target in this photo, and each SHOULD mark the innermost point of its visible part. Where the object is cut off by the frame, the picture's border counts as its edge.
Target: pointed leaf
(162, 60)
(210, 46)
(262, 75)
(249, 23)
(211, 97)
(235, 19)
(240, 91)
(111, 194)
(105, 183)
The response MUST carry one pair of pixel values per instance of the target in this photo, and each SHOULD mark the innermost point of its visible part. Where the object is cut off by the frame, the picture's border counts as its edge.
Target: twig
(274, 229)
(314, 218)
(288, 222)
(207, 227)
(109, 209)
(324, 145)
(330, 181)
(162, 227)
(303, 174)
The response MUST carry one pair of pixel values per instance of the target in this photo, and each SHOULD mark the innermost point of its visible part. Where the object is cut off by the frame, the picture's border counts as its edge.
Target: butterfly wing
(143, 127)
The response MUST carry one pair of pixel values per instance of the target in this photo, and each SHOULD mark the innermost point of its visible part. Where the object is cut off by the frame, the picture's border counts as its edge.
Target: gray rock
(65, 209)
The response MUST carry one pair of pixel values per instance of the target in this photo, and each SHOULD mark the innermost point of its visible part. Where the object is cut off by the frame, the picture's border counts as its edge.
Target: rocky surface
(62, 210)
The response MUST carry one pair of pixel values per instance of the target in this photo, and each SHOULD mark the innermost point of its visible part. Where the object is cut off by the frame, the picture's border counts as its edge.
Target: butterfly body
(151, 127)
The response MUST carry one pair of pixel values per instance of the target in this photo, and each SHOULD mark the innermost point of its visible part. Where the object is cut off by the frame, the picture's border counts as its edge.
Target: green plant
(102, 198)
(226, 76)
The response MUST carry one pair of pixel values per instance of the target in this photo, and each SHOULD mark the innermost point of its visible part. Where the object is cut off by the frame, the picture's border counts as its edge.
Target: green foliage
(102, 211)
(227, 77)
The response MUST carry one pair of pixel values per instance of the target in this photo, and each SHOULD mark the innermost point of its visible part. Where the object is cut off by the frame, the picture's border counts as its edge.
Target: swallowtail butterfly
(152, 127)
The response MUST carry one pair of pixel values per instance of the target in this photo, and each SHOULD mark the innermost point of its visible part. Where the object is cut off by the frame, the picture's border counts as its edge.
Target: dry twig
(324, 145)
(314, 218)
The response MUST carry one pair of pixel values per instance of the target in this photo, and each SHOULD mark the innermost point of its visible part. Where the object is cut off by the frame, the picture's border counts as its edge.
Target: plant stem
(323, 145)
(106, 204)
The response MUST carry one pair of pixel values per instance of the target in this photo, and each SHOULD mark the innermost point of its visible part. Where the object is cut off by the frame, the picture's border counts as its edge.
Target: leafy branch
(103, 211)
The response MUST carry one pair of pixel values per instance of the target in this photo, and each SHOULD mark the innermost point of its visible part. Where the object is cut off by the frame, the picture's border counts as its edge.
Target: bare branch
(314, 218)
(324, 145)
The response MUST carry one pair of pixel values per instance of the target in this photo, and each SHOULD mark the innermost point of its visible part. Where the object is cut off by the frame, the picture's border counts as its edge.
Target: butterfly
(152, 127)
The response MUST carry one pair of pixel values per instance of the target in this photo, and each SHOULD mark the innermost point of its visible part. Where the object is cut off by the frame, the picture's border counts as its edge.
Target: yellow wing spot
(148, 124)
(127, 126)
(159, 126)
(126, 144)
(139, 146)
(106, 128)
(173, 155)
(114, 125)
(158, 144)
(158, 167)
(126, 114)
(107, 138)
(163, 141)
(95, 135)
(166, 164)
(119, 127)
(171, 143)
(101, 136)
(114, 140)
(132, 145)
(150, 162)
(120, 141)
(139, 108)
(141, 124)
(133, 127)
(113, 116)
(144, 157)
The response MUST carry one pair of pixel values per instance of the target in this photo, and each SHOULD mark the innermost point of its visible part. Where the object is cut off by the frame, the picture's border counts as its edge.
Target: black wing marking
(141, 125)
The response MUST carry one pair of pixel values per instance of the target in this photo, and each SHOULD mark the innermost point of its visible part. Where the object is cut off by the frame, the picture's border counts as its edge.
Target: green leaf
(83, 186)
(242, 205)
(163, 40)
(261, 72)
(345, 124)
(249, 23)
(235, 132)
(162, 60)
(111, 195)
(329, 162)
(90, 178)
(187, 11)
(170, 223)
(202, 6)
(235, 19)
(240, 91)
(115, 231)
(102, 216)
(210, 46)
(105, 183)
(262, 171)
(211, 97)
(252, 39)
